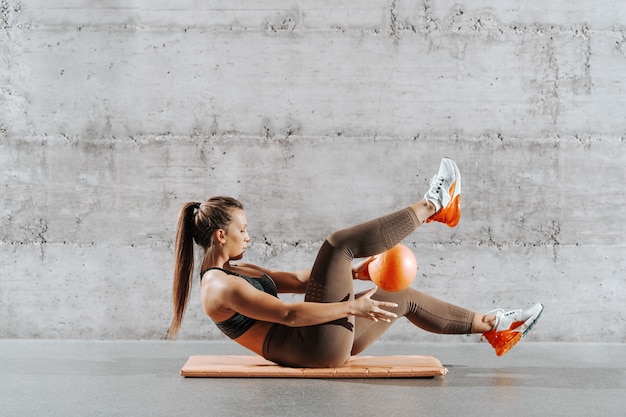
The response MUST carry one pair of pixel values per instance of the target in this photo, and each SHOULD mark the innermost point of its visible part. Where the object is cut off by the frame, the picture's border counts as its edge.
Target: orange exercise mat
(240, 366)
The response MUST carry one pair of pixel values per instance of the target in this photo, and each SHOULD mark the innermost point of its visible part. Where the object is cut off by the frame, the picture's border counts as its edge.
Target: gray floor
(95, 378)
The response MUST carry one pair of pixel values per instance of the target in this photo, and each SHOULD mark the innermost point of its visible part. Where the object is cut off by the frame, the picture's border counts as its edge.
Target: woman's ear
(220, 236)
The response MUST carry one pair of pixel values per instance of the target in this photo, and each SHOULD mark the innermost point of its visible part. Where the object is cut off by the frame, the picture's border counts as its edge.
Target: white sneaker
(445, 194)
(511, 326)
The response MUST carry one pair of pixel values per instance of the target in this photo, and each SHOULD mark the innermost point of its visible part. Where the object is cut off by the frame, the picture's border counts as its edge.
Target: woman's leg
(424, 311)
(503, 329)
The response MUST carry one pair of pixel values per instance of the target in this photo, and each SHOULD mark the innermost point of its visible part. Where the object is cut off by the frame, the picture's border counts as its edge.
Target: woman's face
(237, 235)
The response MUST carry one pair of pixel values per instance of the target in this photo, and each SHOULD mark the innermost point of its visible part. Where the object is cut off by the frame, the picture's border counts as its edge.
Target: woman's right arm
(239, 296)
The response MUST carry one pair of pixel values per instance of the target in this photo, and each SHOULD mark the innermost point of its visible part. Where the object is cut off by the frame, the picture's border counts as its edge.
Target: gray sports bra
(238, 324)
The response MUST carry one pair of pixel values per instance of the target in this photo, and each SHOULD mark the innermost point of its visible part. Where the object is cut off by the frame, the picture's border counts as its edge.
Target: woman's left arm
(286, 281)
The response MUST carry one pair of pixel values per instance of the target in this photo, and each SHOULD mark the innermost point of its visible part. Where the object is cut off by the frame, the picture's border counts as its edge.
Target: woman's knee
(340, 242)
(335, 239)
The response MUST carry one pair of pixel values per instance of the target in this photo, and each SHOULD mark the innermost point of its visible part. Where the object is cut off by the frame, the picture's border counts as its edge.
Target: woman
(332, 323)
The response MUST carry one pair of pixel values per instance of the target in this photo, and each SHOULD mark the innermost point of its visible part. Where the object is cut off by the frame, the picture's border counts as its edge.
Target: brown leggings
(331, 344)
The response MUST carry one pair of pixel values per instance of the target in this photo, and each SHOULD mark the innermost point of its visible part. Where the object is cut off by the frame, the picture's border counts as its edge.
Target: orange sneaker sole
(504, 340)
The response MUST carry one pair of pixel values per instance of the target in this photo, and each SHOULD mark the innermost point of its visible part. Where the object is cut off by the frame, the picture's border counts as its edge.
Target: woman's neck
(211, 260)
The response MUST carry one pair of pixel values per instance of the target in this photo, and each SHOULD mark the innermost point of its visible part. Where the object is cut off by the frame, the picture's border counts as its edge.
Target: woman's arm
(229, 294)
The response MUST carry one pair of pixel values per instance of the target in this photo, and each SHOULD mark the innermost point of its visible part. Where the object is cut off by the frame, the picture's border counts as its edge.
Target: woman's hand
(364, 306)
(360, 270)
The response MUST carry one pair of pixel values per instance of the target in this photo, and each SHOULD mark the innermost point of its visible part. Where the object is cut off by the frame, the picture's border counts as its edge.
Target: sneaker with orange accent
(511, 326)
(445, 194)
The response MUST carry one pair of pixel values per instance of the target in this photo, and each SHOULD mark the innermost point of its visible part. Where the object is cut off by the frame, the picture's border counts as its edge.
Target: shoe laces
(437, 181)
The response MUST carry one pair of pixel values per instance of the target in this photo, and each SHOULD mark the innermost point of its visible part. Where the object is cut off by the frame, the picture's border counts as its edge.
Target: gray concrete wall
(317, 115)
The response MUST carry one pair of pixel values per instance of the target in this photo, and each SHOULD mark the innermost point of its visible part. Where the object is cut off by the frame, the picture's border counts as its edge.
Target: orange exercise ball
(393, 270)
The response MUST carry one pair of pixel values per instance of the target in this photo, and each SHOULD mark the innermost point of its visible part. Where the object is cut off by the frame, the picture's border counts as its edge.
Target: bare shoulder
(216, 286)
